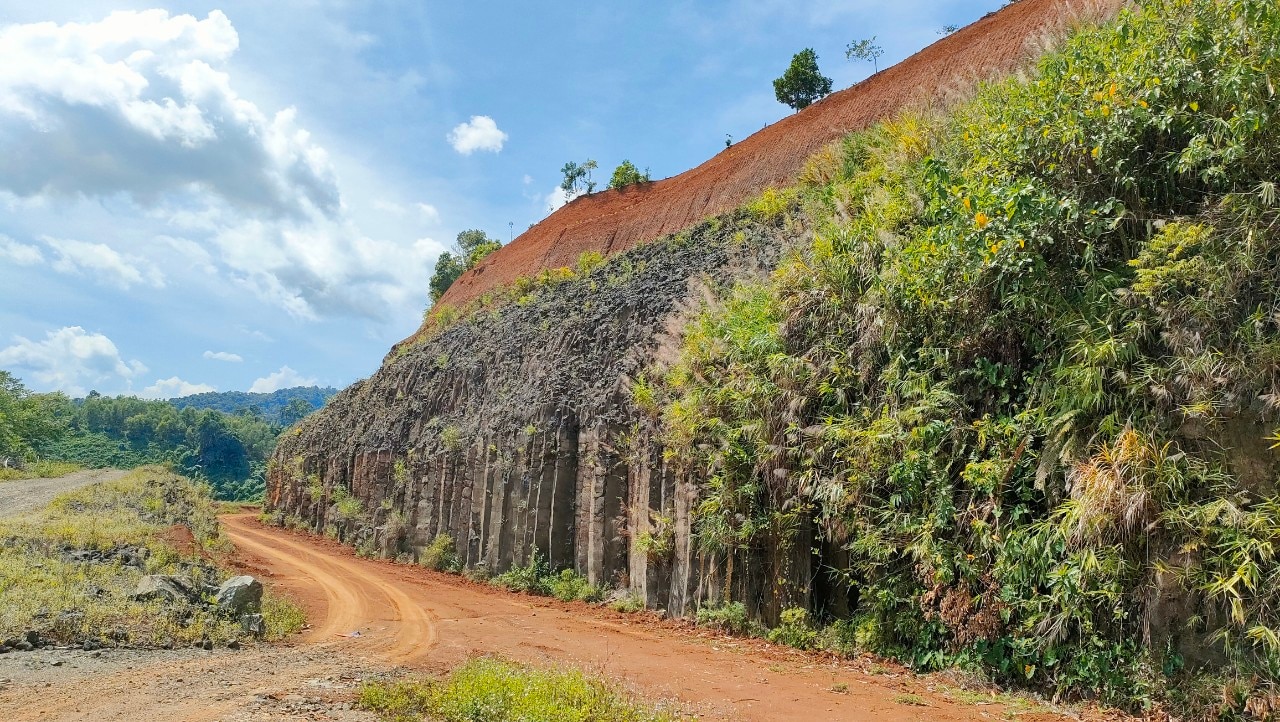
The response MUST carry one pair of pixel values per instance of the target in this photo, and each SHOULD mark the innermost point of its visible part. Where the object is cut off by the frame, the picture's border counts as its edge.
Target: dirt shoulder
(26, 495)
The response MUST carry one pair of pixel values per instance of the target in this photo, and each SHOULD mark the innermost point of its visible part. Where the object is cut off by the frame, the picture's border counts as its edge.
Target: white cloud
(527, 180)
(99, 261)
(429, 212)
(389, 207)
(234, 358)
(557, 198)
(479, 133)
(140, 107)
(137, 103)
(282, 379)
(18, 253)
(174, 387)
(71, 359)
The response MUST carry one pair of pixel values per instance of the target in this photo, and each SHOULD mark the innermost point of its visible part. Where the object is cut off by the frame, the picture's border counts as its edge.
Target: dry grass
(43, 588)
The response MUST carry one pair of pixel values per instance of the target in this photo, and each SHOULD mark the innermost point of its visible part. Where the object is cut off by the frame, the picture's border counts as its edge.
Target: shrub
(629, 604)
(440, 554)
(794, 629)
(728, 617)
(529, 578)
(569, 586)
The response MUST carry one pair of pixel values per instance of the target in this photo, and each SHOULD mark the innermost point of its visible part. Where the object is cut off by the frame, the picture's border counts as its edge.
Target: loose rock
(239, 595)
(162, 587)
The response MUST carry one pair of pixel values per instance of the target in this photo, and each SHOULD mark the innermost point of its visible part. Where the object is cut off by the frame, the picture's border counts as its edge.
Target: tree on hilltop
(802, 83)
(626, 174)
(470, 248)
(866, 49)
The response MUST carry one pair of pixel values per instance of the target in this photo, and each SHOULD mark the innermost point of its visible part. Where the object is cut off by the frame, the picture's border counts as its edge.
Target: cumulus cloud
(282, 379)
(429, 213)
(174, 387)
(140, 106)
(70, 359)
(234, 358)
(479, 133)
(18, 253)
(136, 103)
(557, 198)
(101, 262)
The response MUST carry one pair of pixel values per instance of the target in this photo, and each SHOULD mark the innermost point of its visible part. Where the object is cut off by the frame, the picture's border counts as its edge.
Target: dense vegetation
(284, 407)
(69, 572)
(227, 450)
(1025, 378)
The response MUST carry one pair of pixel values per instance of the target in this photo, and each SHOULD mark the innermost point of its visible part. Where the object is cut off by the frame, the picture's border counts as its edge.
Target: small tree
(471, 247)
(865, 49)
(802, 83)
(577, 178)
(627, 174)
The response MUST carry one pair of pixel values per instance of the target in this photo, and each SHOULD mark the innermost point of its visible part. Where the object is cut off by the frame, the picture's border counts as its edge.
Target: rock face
(163, 587)
(515, 431)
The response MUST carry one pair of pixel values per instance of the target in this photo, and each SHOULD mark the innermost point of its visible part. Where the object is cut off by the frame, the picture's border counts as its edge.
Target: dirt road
(369, 617)
(26, 495)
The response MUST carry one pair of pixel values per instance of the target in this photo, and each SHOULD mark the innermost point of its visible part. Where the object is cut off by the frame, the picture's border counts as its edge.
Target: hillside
(275, 406)
(615, 220)
(992, 384)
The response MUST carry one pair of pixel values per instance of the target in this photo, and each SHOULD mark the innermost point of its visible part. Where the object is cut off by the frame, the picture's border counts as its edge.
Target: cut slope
(613, 221)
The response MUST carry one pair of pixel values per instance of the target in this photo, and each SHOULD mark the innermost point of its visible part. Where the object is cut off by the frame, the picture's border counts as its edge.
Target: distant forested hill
(284, 407)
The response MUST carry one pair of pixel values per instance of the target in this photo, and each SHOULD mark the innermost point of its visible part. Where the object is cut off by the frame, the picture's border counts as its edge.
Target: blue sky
(251, 195)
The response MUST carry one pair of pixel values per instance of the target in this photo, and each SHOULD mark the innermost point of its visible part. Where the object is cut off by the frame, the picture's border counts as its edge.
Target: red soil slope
(613, 221)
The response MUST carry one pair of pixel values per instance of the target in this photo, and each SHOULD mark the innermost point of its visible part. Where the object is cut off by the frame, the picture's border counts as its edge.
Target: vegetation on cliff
(1025, 376)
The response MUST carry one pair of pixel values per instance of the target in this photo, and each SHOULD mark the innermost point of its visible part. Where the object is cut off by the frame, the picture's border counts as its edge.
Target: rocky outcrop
(514, 431)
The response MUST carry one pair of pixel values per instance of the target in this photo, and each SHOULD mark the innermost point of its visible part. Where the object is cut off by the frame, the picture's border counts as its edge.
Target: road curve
(407, 615)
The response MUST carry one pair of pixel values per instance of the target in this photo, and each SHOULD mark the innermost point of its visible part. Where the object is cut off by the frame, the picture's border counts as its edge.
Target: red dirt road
(432, 621)
(375, 619)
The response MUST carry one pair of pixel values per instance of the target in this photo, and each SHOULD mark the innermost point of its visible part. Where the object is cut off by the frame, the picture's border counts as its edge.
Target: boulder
(253, 624)
(239, 595)
(162, 587)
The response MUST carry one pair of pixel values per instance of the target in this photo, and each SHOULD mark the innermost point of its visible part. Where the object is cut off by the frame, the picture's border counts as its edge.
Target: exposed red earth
(615, 220)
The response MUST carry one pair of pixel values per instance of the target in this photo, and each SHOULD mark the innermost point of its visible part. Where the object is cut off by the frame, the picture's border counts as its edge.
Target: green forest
(227, 450)
(1019, 394)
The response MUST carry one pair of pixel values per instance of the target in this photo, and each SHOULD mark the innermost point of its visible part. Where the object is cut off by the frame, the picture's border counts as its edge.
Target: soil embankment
(613, 221)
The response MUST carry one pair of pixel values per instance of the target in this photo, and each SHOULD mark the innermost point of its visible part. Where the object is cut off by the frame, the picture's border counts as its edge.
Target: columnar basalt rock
(513, 432)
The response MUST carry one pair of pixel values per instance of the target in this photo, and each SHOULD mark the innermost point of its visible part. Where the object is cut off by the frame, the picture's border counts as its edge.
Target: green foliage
(802, 84)
(629, 604)
(284, 407)
(794, 630)
(471, 247)
(530, 578)
(866, 49)
(440, 554)
(1009, 376)
(492, 690)
(569, 586)
(658, 542)
(730, 617)
(577, 178)
(771, 204)
(626, 174)
(27, 420)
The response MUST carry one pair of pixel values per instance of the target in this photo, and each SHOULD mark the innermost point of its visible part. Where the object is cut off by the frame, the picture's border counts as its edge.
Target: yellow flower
(1195, 107)
(1106, 110)
(1096, 150)
(1143, 103)
(967, 205)
(981, 220)
(995, 248)
(1022, 243)
(1113, 90)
